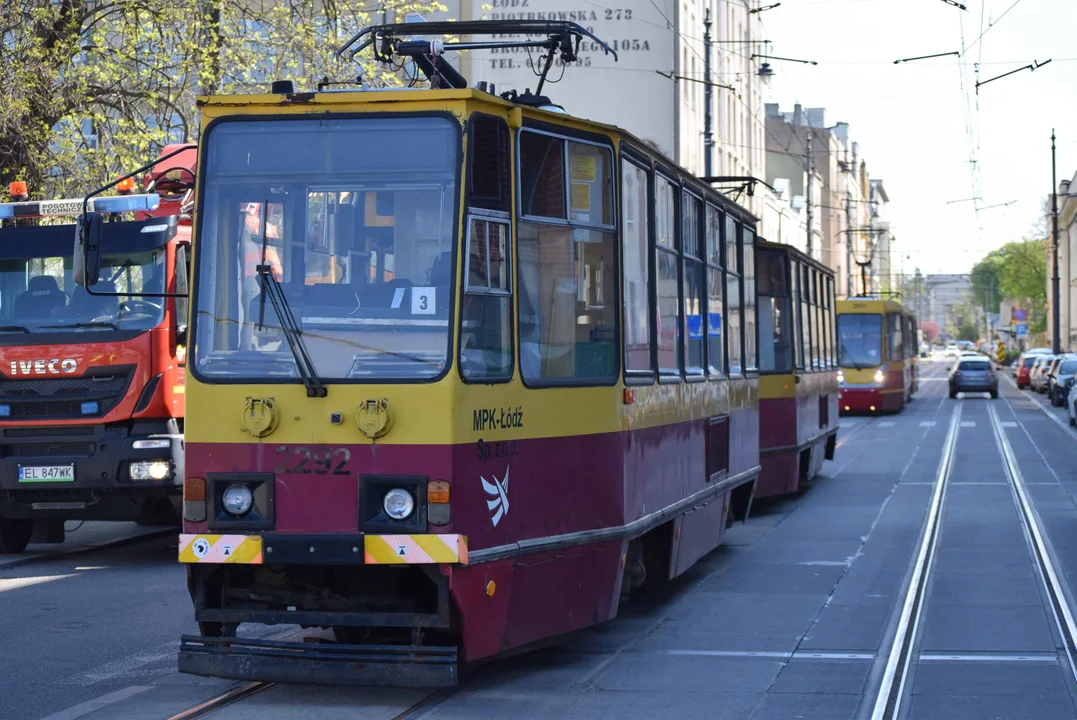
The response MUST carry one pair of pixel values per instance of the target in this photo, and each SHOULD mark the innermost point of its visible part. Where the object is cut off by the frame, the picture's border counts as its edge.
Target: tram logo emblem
(498, 490)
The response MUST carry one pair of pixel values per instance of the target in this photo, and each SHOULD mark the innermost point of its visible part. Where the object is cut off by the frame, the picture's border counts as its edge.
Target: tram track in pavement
(893, 698)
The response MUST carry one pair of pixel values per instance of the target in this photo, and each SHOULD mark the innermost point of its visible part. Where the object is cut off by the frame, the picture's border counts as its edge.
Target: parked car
(1062, 379)
(1071, 404)
(973, 375)
(1023, 366)
(1037, 376)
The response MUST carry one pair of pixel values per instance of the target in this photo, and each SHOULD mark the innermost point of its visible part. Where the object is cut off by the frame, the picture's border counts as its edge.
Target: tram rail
(894, 693)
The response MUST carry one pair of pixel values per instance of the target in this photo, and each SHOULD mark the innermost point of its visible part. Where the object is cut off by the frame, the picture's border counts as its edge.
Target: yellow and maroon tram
(877, 352)
(477, 370)
(798, 368)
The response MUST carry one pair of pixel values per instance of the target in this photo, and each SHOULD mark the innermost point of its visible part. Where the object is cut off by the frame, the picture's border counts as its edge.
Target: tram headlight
(879, 377)
(398, 504)
(237, 500)
(841, 376)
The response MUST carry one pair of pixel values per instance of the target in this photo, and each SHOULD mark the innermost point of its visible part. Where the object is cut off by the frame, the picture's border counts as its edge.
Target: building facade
(656, 87)
(843, 220)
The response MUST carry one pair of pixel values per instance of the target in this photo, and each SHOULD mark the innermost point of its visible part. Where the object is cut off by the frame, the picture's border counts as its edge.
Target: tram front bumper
(325, 663)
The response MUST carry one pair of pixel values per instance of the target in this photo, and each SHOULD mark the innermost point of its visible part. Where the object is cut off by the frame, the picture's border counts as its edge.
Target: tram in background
(600, 426)
(877, 353)
(798, 368)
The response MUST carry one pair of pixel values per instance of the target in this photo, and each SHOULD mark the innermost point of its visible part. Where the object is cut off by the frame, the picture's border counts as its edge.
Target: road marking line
(1009, 424)
(993, 657)
(125, 665)
(796, 654)
(91, 706)
(968, 423)
(927, 423)
(887, 423)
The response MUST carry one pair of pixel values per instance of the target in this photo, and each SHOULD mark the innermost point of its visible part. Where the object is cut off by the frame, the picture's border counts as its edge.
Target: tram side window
(486, 315)
(750, 338)
(638, 321)
(692, 211)
(488, 181)
(820, 334)
(775, 345)
(795, 316)
(542, 175)
(486, 308)
(734, 303)
(893, 337)
(831, 345)
(668, 280)
(715, 348)
(806, 316)
(566, 272)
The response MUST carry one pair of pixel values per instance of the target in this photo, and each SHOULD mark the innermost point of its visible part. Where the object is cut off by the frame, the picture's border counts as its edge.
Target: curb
(103, 545)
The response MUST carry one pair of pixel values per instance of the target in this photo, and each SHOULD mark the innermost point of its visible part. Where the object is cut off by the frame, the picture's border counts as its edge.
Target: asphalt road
(793, 617)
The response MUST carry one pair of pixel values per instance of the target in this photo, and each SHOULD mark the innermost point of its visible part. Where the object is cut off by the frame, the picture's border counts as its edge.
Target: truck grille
(62, 398)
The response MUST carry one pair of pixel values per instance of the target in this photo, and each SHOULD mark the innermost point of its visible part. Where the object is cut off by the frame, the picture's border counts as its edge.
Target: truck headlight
(398, 503)
(150, 470)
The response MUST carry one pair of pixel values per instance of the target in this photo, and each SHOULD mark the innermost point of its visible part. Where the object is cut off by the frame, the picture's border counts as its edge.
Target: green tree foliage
(1019, 271)
(92, 88)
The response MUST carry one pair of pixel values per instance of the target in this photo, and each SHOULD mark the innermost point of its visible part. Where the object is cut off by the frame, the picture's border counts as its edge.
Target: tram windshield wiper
(14, 328)
(843, 352)
(272, 288)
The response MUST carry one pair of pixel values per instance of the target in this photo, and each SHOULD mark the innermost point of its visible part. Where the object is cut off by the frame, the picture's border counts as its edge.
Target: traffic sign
(1022, 328)
(1001, 354)
(1020, 315)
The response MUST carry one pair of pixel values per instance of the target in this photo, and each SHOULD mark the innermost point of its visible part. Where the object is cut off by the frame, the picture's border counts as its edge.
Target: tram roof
(795, 253)
(418, 99)
(865, 305)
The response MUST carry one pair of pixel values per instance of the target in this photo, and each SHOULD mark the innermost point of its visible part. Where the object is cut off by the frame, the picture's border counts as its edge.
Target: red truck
(92, 383)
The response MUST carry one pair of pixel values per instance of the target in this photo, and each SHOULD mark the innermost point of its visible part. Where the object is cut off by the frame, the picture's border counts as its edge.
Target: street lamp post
(1056, 335)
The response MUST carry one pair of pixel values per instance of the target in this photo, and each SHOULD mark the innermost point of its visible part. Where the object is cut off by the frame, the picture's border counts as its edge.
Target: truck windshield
(38, 294)
(355, 218)
(860, 340)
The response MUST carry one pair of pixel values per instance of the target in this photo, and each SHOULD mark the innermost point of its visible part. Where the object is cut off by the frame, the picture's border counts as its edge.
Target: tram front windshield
(860, 341)
(354, 218)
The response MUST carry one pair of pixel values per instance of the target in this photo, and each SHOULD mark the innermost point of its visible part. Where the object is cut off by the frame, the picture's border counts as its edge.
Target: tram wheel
(15, 535)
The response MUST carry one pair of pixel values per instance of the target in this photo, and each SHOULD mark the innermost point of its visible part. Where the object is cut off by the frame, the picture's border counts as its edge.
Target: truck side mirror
(86, 265)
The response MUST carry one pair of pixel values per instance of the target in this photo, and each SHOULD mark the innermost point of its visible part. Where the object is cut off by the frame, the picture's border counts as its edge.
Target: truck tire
(15, 535)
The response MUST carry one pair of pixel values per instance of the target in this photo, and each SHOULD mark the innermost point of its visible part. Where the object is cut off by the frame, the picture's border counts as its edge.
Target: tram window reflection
(566, 306)
(715, 310)
(637, 268)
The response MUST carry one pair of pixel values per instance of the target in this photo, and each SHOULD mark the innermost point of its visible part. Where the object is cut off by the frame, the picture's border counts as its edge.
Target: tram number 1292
(304, 461)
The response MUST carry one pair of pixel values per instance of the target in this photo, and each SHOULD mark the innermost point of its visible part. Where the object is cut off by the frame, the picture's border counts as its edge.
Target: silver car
(973, 375)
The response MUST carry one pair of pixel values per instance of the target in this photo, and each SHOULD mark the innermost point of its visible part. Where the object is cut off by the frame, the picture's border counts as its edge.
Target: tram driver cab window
(355, 223)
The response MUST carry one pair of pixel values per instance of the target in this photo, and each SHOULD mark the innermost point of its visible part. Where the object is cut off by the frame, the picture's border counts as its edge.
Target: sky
(917, 129)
